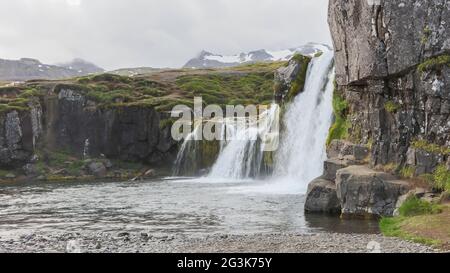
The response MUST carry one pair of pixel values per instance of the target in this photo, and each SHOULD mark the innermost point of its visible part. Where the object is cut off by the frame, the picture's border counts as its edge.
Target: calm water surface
(160, 207)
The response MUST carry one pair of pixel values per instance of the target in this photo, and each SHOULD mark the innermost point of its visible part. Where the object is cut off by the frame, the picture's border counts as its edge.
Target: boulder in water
(322, 197)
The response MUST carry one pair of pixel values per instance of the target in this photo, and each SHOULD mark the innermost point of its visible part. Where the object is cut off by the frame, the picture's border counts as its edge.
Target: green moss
(228, 89)
(408, 172)
(14, 103)
(4, 173)
(6, 108)
(341, 125)
(430, 147)
(426, 35)
(259, 67)
(434, 63)
(391, 107)
(299, 83)
(164, 123)
(318, 54)
(441, 178)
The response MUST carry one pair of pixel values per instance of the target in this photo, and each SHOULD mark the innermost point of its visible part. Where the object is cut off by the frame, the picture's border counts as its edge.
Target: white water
(241, 154)
(301, 152)
(307, 120)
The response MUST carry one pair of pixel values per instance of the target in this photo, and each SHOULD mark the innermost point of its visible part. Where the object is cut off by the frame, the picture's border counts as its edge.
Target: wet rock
(284, 77)
(97, 169)
(322, 197)
(367, 193)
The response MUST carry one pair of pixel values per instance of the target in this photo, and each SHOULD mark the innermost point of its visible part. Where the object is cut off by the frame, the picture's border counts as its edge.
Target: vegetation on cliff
(430, 147)
(340, 127)
(234, 89)
(434, 63)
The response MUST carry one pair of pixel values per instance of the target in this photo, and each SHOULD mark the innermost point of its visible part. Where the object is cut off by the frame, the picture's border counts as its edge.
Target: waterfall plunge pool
(162, 207)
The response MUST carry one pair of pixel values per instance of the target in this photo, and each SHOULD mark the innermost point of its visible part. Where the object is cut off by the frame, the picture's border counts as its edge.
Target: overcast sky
(158, 33)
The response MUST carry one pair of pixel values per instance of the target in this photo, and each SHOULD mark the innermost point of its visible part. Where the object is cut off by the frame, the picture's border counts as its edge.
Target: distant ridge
(29, 69)
(210, 60)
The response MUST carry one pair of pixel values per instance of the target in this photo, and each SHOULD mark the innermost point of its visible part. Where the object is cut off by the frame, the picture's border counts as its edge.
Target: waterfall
(243, 150)
(301, 144)
(307, 120)
(187, 154)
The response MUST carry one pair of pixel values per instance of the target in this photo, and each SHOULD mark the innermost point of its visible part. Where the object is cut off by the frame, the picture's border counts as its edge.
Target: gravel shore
(260, 243)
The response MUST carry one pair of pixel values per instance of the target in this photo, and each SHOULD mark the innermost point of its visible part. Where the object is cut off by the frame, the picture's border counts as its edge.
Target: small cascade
(187, 156)
(243, 151)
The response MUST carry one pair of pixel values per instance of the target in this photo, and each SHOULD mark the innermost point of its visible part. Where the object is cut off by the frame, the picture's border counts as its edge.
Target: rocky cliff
(95, 124)
(393, 70)
(61, 123)
(392, 99)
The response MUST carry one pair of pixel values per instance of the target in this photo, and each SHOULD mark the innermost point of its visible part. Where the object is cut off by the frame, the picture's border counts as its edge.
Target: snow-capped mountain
(209, 60)
(82, 66)
(29, 69)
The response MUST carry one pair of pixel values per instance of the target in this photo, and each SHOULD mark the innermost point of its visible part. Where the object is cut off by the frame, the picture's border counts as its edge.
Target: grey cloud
(158, 33)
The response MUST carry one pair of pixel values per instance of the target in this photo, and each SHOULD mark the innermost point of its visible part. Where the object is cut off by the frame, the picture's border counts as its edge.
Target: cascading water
(301, 153)
(188, 153)
(307, 120)
(243, 149)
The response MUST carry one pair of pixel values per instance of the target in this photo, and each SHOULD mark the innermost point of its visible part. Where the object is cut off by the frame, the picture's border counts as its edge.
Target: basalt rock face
(128, 133)
(392, 67)
(66, 120)
(19, 132)
(380, 38)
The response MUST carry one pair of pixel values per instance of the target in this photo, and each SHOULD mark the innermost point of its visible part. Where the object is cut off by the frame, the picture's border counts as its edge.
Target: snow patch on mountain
(210, 60)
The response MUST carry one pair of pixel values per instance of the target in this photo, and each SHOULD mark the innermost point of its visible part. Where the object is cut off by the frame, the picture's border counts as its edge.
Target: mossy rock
(298, 84)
